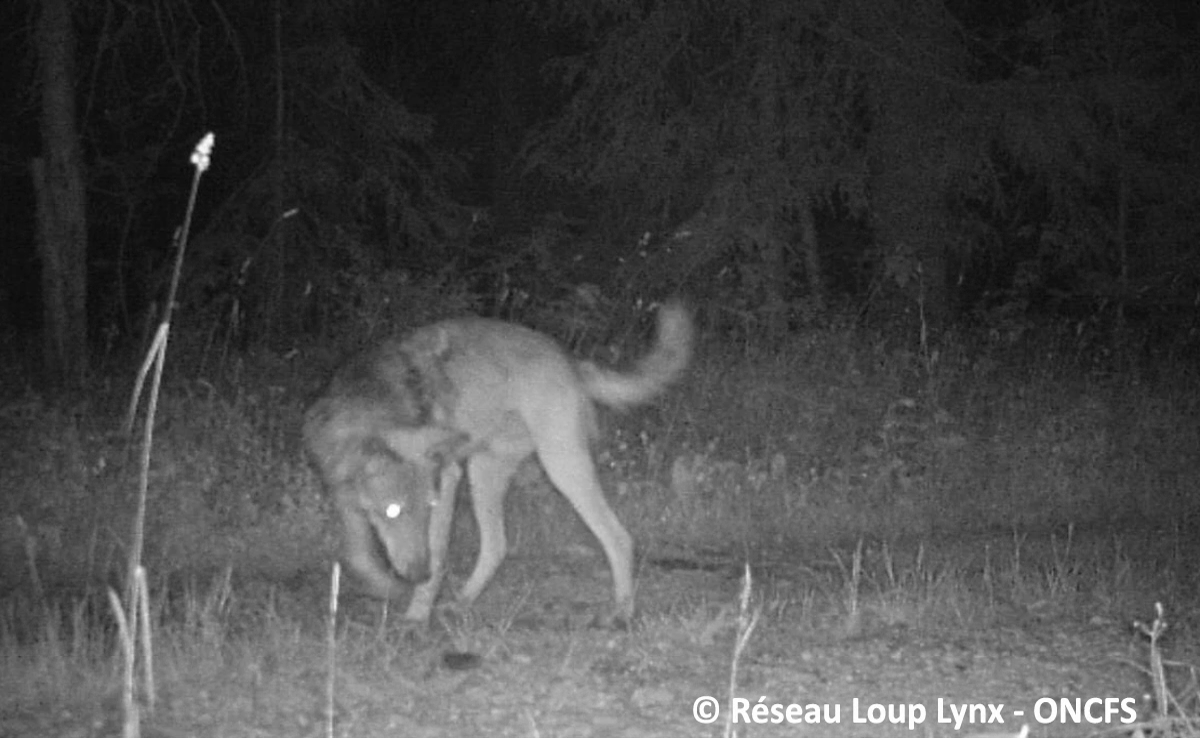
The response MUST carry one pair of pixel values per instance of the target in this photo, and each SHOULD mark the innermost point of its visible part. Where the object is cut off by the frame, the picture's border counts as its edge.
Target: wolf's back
(652, 374)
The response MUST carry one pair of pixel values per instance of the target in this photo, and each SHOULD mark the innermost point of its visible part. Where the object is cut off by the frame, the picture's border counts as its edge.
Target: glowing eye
(393, 510)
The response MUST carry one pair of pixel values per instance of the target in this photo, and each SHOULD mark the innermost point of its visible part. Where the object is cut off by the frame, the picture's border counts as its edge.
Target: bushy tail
(654, 372)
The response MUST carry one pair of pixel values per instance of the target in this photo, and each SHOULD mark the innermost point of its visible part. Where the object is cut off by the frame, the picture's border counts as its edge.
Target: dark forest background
(782, 164)
(943, 413)
(943, 256)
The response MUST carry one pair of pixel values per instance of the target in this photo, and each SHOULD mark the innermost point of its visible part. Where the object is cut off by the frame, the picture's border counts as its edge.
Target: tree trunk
(61, 202)
(811, 247)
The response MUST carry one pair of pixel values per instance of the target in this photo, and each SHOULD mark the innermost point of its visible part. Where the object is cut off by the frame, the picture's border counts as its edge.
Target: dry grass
(868, 490)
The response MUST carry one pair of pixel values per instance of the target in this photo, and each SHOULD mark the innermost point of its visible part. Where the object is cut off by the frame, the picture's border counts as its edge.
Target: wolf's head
(396, 497)
(404, 474)
(387, 474)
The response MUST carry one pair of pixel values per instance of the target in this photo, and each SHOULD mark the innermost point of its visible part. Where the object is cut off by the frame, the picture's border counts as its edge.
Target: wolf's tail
(654, 372)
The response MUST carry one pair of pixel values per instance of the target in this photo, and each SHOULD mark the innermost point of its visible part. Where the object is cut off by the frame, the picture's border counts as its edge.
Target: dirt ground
(923, 650)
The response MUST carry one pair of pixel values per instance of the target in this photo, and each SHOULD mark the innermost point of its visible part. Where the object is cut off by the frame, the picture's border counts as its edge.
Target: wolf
(396, 425)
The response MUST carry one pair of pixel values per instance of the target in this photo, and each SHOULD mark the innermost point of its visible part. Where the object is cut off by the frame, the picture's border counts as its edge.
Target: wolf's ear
(429, 443)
